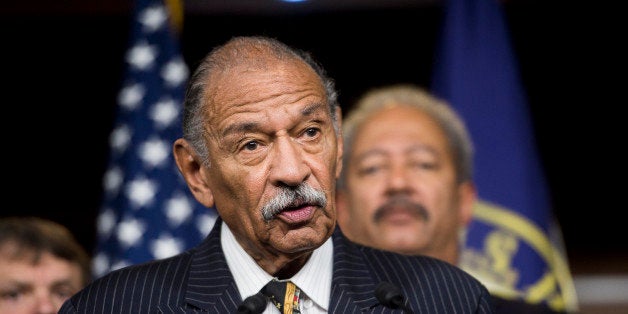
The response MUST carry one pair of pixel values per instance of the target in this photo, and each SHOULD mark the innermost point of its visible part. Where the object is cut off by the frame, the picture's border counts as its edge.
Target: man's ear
(467, 194)
(340, 140)
(191, 167)
(342, 210)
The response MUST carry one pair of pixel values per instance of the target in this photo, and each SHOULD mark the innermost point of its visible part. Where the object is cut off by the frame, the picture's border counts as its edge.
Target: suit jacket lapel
(353, 285)
(210, 284)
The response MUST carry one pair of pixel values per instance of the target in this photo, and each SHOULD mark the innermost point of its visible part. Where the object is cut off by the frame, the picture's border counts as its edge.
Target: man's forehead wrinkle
(234, 96)
(251, 126)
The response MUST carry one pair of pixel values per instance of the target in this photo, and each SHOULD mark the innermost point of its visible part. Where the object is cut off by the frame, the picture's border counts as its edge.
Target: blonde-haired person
(41, 265)
(407, 180)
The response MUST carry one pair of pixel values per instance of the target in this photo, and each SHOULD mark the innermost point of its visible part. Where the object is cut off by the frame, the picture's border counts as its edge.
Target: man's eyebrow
(413, 149)
(62, 283)
(369, 153)
(240, 128)
(311, 108)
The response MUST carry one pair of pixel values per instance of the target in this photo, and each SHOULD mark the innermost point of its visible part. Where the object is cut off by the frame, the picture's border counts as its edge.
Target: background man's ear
(342, 212)
(340, 143)
(468, 196)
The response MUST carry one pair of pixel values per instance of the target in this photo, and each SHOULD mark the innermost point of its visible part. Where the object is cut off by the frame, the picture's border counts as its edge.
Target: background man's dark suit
(199, 280)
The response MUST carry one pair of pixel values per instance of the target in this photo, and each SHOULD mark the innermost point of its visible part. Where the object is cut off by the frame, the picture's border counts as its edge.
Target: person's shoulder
(451, 288)
(421, 263)
(161, 267)
(410, 266)
(351, 247)
(131, 282)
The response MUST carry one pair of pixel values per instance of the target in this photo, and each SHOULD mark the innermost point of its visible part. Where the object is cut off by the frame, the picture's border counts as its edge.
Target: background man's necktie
(284, 295)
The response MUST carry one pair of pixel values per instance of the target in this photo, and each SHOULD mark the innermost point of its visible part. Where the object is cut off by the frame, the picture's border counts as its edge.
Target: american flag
(513, 244)
(148, 212)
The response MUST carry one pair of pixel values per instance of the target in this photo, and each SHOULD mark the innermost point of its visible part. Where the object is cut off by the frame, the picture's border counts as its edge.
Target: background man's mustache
(405, 203)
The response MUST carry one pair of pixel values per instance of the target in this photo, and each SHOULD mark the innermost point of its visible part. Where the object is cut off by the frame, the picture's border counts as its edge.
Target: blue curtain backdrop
(148, 212)
(513, 244)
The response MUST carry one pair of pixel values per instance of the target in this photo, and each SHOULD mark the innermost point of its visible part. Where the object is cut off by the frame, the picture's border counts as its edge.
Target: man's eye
(425, 165)
(312, 132)
(64, 293)
(369, 170)
(9, 295)
(252, 145)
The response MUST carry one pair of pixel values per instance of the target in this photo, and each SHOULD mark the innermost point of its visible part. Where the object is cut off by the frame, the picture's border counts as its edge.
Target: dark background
(62, 66)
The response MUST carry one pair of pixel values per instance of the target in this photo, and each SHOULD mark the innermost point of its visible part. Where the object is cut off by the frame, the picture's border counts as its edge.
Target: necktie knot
(284, 295)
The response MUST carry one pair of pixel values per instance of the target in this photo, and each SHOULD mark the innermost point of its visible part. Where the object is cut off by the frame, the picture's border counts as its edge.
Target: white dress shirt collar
(314, 279)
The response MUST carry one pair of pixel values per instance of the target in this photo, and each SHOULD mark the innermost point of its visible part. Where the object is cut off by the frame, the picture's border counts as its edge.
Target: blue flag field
(513, 244)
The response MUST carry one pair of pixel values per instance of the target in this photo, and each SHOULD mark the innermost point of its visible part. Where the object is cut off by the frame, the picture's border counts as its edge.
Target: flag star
(141, 192)
(131, 96)
(120, 138)
(130, 232)
(100, 264)
(153, 18)
(142, 56)
(112, 180)
(178, 209)
(205, 223)
(154, 152)
(106, 222)
(166, 246)
(175, 72)
(164, 112)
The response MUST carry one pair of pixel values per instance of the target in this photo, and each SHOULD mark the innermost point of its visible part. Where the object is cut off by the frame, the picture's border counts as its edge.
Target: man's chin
(399, 219)
(405, 244)
(308, 237)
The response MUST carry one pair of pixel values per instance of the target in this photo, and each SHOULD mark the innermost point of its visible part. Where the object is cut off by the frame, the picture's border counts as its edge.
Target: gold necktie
(284, 295)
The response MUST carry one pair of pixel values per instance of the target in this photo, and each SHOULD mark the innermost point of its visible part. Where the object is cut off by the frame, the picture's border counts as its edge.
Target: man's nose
(46, 304)
(289, 166)
(398, 179)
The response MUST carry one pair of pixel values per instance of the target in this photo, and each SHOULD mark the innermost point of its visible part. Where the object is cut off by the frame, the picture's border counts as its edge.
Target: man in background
(41, 265)
(407, 181)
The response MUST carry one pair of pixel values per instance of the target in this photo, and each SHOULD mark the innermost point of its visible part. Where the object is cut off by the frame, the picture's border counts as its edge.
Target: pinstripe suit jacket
(199, 281)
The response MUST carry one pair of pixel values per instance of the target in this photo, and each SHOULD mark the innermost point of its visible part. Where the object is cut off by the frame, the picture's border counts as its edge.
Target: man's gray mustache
(293, 197)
